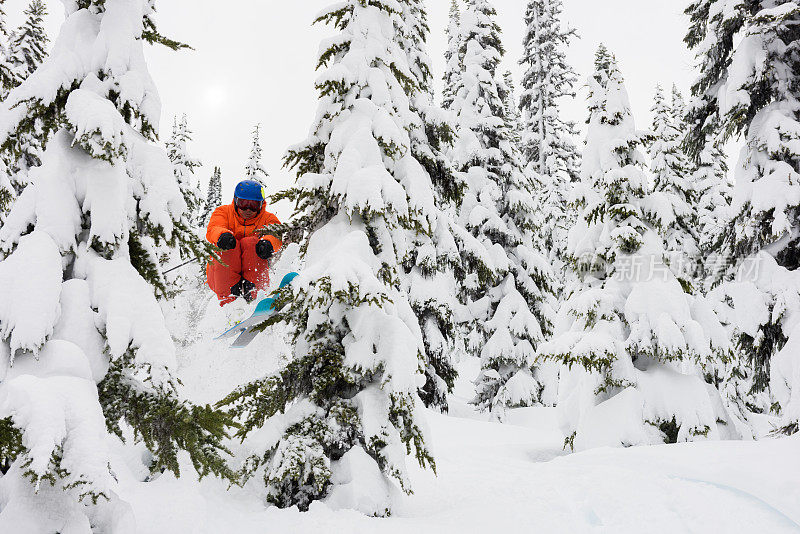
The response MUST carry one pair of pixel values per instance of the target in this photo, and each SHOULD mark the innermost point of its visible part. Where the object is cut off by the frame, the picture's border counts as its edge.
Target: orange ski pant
(240, 262)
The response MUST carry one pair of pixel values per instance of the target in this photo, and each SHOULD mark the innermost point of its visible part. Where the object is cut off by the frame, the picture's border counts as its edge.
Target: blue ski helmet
(249, 190)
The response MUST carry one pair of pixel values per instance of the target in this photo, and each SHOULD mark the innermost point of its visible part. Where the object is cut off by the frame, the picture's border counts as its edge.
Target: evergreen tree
(511, 111)
(433, 261)
(672, 204)
(548, 78)
(213, 196)
(346, 403)
(7, 193)
(713, 192)
(714, 195)
(28, 47)
(454, 56)
(184, 165)
(628, 334)
(548, 148)
(509, 296)
(254, 170)
(679, 113)
(27, 50)
(78, 283)
(6, 71)
(760, 242)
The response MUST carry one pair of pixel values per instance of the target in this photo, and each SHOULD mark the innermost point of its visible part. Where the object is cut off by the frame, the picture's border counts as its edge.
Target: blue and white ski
(264, 309)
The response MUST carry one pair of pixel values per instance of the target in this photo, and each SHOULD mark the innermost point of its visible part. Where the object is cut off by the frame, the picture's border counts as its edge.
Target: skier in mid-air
(245, 255)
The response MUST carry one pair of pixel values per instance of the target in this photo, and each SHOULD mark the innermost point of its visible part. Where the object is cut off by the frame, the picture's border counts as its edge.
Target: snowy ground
(494, 477)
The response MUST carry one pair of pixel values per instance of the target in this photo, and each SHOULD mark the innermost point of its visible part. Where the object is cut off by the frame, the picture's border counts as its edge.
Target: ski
(264, 309)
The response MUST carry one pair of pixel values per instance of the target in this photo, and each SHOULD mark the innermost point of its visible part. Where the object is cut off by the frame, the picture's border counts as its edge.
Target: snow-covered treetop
(481, 96)
(679, 109)
(613, 180)
(608, 99)
(670, 166)
(414, 34)
(254, 170)
(213, 196)
(610, 113)
(663, 116)
(432, 129)
(26, 51)
(6, 73)
(3, 28)
(481, 33)
(355, 101)
(671, 204)
(453, 57)
(28, 47)
(184, 164)
(548, 77)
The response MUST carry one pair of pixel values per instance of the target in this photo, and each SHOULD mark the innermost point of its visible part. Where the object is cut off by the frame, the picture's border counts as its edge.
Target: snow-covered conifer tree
(28, 47)
(344, 412)
(454, 56)
(672, 204)
(511, 111)
(26, 51)
(548, 147)
(213, 196)
(548, 142)
(254, 170)
(510, 290)
(184, 165)
(747, 85)
(433, 260)
(714, 192)
(7, 193)
(679, 111)
(6, 71)
(84, 350)
(628, 335)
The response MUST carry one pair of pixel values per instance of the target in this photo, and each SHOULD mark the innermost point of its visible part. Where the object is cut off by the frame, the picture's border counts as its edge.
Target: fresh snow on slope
(497, 477)
(492, 477)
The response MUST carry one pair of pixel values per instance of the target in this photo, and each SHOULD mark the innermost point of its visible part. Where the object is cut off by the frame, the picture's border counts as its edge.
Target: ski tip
(264, 306)
(288, 279)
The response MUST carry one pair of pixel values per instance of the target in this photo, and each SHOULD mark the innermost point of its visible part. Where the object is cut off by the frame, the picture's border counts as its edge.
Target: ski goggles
(248, 205)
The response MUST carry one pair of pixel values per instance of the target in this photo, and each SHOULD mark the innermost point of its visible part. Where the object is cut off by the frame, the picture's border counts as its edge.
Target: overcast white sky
(254, 62)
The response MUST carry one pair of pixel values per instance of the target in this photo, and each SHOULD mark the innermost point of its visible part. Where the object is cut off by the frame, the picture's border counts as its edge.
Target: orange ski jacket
(225, 219)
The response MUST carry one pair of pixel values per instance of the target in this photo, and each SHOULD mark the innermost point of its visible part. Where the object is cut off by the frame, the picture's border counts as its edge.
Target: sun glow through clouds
(215, 96)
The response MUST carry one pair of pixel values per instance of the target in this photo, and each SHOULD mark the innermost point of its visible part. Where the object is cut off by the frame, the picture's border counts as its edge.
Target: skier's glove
(244, 288)
(264, 249)
(226, 241)
(248, 290)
